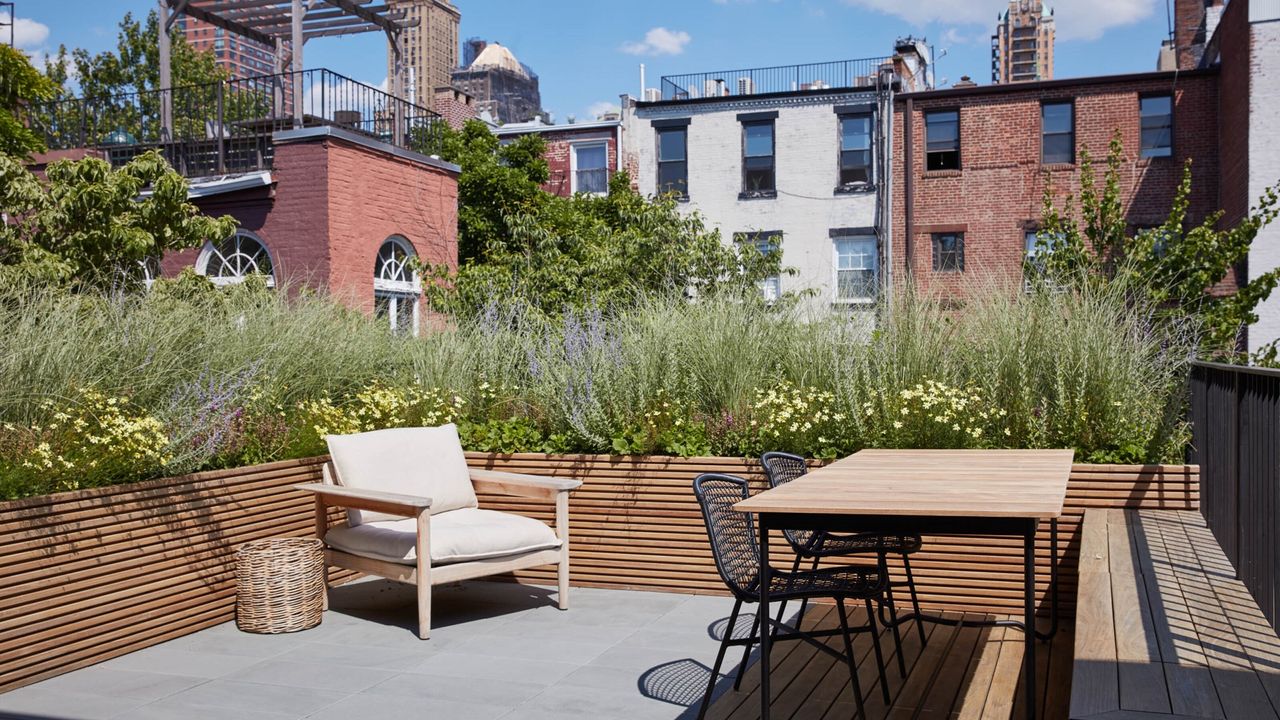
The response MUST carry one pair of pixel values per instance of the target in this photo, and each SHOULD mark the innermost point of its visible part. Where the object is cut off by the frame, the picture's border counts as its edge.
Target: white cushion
(456, 536)
(420, 461)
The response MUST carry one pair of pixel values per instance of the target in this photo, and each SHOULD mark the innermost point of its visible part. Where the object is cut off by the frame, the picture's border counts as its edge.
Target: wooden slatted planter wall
(94, 574)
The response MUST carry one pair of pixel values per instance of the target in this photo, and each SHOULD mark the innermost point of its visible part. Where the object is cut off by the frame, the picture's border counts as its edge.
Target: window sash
(948, 252)
(673, 177)
(856, 269)
(1057, 127)
(942, 140)
(757, 139)
(673, 145)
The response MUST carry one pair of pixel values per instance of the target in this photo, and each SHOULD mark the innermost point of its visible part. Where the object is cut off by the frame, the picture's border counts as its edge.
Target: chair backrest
(732, 533)
(781, 468)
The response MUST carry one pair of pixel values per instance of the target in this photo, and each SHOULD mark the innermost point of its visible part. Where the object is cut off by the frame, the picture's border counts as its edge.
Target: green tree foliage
(522, 245)
(20, 86)
(91, 226)
(1172, 267)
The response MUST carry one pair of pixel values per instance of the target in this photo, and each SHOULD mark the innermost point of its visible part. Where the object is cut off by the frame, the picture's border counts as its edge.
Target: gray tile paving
(497, 650)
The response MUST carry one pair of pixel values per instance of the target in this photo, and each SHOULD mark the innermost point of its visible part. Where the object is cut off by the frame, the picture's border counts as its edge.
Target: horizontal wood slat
(90, 575)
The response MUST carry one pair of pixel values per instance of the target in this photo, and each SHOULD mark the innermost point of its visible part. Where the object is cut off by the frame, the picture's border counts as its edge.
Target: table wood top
(928, 483)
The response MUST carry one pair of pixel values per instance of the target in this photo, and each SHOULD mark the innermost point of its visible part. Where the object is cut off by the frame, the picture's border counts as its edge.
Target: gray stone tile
(34, 702)
(488, 667)
(509, 693)
(112, 682)
(245, 697)
(639, 659)
(317, 676)
(365, 656)
(565, 651)
(363, 706)
(577, 700)
(227, 640)
(166, 710)
(173, 661)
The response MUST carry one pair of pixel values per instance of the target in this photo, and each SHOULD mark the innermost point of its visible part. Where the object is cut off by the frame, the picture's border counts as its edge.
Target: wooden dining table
(925, 492)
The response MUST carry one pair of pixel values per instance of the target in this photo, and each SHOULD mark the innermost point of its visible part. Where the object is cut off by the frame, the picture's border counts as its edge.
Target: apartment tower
(430, 48)
(1022, 46)
(239, 56)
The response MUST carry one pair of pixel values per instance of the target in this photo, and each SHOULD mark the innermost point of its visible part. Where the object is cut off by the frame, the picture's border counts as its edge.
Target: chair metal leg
(782, 606)
(746, 651)
(848, 656)
(715, 669)
(893, 622)
(915, 599)
(804, 603)
(875, 644)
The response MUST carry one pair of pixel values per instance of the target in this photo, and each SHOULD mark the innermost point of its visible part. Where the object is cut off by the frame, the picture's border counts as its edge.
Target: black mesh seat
(782, 468)
(737, 556)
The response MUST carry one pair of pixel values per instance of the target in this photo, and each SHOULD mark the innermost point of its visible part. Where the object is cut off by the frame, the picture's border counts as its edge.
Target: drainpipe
(908, 184)
(886, 185)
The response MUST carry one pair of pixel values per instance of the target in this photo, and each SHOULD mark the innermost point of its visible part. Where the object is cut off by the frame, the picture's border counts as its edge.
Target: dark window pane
(758, 180)
(1157, 105)
(855, 166)
(942, 140)
(855, 132)
(1056, 117)
(759, 139)
(948, 252)
(672, 178)
(591, 157)
(946, 160)
(1059, 149)
(671, 144)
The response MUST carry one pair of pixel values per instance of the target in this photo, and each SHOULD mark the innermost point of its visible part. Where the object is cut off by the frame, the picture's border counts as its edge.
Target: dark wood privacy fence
(1235, 412)
(90, 575)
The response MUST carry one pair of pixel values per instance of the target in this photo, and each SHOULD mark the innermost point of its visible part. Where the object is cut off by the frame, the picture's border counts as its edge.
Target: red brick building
(337, 211)
(580, 157)
(968, 189)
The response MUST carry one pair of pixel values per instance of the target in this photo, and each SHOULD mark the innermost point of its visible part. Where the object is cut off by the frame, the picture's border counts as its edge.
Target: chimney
(965, 82)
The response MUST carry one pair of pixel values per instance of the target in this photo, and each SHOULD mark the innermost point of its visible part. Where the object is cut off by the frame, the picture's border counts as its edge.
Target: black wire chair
(782, 468)
(733, 543)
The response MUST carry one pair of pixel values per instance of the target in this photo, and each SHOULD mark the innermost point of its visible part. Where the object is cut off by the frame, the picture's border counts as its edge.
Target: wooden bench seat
(1163, 628)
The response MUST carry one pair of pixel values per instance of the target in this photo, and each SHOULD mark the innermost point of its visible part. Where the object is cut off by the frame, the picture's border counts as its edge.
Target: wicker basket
(279, 585)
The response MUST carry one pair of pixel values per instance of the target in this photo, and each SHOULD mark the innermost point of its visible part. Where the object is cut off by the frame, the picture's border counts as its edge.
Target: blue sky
(588, 52)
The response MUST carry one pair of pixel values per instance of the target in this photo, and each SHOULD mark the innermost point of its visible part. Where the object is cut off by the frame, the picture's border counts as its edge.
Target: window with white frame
(766, 243)
(396, 286)
(591, 168)
(230, 261)
(857, 269)
(1038, 246)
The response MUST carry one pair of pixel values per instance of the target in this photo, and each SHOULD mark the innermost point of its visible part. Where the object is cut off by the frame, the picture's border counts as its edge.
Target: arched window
(230, 261)
(396, 286)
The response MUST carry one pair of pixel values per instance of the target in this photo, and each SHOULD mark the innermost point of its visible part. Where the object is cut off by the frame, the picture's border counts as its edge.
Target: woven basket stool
(279, 585)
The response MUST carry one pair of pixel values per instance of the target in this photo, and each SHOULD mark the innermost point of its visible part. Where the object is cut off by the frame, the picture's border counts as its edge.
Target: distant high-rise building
(501, 85)
(471, 49)
(652, 95)
(430, 47)
(1022, 46)
(240, 56)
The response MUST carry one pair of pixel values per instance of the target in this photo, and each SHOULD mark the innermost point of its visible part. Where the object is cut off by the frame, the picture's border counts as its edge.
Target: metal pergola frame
(9, 19)
(272, 22)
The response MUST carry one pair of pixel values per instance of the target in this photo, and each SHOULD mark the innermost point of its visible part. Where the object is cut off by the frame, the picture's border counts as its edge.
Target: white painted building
(796, 158)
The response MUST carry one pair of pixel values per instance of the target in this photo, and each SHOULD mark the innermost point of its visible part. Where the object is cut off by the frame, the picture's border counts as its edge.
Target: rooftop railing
(839, 74)
(226, 127)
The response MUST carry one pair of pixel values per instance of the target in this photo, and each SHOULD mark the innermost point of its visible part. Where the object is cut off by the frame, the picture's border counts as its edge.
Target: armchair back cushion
(422, 461)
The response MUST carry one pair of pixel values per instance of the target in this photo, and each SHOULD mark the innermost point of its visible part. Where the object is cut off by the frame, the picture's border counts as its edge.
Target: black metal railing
(226, 127)
(783, 78)
(1235, 413)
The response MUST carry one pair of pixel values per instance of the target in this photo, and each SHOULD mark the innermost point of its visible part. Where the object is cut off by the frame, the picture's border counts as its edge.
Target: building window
(1058, 133)
(942, 140)
(948, 252)
(673, 161)
(591, 168)
(855, 150)
(766, 243)
(1156, 113)
(856, 269)
(757, 159)
(396, 286)
(230, 261)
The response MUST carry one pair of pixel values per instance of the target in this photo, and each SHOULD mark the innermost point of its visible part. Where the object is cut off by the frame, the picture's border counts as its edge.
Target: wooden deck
(963, 673)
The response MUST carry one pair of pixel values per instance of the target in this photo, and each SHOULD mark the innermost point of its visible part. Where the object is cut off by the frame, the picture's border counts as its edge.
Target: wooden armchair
(408, 537)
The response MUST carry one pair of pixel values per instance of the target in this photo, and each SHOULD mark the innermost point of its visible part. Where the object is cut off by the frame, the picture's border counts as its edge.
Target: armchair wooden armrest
(371, 500)
(519, 485)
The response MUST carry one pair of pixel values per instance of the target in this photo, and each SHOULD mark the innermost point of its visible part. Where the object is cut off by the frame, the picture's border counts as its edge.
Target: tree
(1172, 267)
(21, 86)
(92, 226)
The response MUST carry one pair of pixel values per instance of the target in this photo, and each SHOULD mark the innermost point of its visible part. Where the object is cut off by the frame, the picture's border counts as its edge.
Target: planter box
(94, 574)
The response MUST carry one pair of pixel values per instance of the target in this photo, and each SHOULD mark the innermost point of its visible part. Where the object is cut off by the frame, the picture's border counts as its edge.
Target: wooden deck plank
(1141, 676)
(971, 705)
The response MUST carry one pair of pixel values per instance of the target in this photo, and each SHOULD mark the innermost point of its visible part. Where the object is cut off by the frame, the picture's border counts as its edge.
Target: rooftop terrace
(840, 74)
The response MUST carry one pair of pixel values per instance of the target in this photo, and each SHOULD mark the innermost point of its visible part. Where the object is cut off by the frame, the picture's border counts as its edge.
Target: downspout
(886, 185)
(908, 185)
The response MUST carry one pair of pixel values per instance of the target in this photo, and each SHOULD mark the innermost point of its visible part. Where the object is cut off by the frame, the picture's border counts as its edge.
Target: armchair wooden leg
(322, 528)
(423, 549)
(562, 532)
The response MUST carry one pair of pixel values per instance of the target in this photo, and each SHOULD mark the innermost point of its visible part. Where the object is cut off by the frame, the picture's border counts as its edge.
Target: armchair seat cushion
(456, 536)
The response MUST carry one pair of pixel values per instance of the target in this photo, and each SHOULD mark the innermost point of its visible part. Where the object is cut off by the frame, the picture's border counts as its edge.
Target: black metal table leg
(1029, 616)
(765, 630)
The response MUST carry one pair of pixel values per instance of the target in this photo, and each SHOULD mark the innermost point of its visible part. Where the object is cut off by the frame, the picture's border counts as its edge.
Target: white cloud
(29, 34)
(659, 41)
(1076, 20)
(596, 109)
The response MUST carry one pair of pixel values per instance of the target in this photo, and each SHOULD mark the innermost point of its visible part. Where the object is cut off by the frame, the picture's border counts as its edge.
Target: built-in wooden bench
(1163, 628)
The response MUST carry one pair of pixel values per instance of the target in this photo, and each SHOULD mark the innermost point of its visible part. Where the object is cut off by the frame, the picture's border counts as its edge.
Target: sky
(588, 52)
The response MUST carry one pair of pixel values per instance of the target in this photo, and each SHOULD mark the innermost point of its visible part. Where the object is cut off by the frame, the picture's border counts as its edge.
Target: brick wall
(559, 154)
(330, 209)
(998, 193)
(455, 106)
